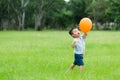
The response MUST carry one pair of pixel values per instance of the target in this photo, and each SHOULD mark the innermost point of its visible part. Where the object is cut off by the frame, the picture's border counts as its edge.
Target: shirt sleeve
(84, 36)
(75, 40)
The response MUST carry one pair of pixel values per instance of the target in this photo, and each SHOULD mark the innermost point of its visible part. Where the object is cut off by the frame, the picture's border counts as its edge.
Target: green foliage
(97, 10)
(46, 55)
(78, 8)
(113, 12)
(57, 14)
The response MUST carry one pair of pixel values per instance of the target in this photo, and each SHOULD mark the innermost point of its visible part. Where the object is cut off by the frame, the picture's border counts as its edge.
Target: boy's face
(75, 33)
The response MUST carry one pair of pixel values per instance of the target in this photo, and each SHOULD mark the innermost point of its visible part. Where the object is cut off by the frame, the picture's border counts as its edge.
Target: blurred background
(58, 14)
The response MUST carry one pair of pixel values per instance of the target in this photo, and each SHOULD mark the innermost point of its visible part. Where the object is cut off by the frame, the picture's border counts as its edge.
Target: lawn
(46, 55)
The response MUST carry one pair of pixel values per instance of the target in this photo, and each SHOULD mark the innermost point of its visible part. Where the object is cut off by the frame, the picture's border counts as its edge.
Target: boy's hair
(70, 31)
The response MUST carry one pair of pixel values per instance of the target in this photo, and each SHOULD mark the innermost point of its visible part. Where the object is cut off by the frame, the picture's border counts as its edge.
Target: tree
(0, 15)
(113, 12)
(46, 11)
(77, 8)
(3, 12)
(97, 10)
(19, 7)
(40, 7)
(57, 16)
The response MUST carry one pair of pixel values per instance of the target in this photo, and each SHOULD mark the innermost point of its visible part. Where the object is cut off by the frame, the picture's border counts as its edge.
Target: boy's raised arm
(84, 35)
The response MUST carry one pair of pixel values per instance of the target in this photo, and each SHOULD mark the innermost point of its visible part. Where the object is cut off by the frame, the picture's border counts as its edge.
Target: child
(79, 48)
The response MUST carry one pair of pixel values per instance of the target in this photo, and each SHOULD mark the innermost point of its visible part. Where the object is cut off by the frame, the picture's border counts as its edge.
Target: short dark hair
(70, 31)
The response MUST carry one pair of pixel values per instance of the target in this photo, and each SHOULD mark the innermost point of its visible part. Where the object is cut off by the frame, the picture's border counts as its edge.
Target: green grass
(46, 55)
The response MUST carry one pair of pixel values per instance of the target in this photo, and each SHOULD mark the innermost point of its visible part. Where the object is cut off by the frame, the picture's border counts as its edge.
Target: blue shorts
(78, 59)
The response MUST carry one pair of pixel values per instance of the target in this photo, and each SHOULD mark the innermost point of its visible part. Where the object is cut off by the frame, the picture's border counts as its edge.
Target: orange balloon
(85, 25)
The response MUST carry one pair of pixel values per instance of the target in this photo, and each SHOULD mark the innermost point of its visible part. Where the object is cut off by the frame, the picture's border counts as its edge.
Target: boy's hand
(85, 33)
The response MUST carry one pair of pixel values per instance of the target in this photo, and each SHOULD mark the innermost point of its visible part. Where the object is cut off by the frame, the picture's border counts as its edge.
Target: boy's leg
(71, 68)
(81, 65)
(81, 68)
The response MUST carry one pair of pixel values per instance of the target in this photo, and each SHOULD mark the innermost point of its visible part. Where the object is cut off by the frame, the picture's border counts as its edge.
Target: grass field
(46, 55)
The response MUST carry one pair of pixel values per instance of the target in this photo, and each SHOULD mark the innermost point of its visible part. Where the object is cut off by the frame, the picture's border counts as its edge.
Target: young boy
(79, 48)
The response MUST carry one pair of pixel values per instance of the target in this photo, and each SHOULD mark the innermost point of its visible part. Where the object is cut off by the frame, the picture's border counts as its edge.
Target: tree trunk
(39, 17)
(19, 23)
(9, 20)
(1, 28)
(21, 17)
(41, 20)
(96, 26)
(37, 22)
(23, 20)
(95, 19)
